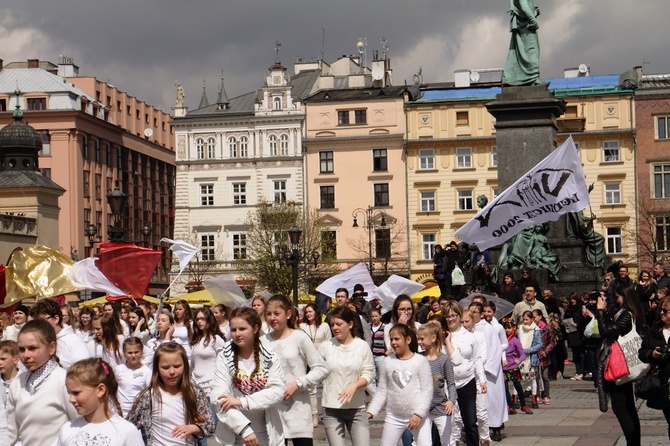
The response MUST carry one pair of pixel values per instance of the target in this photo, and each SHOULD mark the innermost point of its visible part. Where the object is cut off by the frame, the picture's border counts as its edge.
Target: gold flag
(38, 271)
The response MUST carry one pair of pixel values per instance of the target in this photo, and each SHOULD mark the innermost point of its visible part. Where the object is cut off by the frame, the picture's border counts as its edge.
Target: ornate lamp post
(117, 203)
(294, 256)
(146, 232)
(369, 214)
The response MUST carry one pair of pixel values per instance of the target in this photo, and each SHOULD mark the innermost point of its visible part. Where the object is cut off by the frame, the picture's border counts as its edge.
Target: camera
(665, 350)
(360, 294)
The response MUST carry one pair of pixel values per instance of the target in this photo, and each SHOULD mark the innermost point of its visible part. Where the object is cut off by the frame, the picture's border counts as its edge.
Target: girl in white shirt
(137, 323)
(206, 344)
(38, 403)
(164, 330)
(183, 325)
(133, 376)
(220, 312)
(108, 340)
(248, 384)
(351, 370)
(319, 332)
(297, 354)
(403, 313)
(92, 387)
(406, 388)
(85, 329)
(172, 411)
(258, 304)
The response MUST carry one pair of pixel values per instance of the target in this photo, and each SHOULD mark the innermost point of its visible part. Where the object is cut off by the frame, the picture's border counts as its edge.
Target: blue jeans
(335, 421)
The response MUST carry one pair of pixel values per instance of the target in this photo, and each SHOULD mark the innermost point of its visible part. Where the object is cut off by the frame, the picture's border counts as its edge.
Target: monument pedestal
(526, 133)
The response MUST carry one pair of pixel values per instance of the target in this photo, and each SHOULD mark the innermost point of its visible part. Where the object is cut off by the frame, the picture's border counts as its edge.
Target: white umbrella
(503, 307)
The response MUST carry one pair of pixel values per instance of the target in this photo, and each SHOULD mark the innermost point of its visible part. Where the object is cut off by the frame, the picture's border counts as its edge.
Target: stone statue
(581, 228)
(530, 248)
(180, 95)
(482, 201)
(523, 58)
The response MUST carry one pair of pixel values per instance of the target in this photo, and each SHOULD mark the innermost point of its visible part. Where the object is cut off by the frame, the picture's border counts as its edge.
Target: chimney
(33, 63)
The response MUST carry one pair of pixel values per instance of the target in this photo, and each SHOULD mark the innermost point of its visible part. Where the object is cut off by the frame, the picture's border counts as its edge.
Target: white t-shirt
(165, 417)
(203, 361)
(131, 383)
(114, 432)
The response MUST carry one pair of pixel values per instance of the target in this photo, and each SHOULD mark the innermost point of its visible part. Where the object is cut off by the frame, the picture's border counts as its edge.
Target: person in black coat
(575, 325)
(654, 351)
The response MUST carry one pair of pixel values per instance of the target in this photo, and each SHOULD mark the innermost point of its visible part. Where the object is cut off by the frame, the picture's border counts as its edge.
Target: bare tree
(206, 263)
(651, 234)
(389, 250)
(265, 261)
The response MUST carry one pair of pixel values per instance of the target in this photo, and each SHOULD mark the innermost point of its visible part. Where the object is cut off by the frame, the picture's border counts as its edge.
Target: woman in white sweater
(406, 388)
(38, 403)
(468, 372)
(351, 370)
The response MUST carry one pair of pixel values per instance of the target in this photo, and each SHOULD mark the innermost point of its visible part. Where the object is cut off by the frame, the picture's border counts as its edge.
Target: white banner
(554, 187)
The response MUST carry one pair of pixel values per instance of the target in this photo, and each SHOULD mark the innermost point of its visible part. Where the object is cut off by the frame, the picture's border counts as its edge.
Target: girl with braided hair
(248, 384)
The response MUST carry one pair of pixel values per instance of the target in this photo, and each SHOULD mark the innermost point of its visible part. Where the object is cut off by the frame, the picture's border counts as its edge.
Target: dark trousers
(467, 396)
(590, 360)
(558, 356)
(300, 441)
(578, 359)
(623, 406)
(519, 392)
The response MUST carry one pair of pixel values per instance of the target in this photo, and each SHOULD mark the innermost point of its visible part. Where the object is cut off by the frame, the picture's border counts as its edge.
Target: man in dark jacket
(662, 279)
(450, 261)
(527, 280)
(621, 279)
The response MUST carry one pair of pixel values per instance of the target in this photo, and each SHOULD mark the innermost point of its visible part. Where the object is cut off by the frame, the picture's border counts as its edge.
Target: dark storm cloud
(143, 47)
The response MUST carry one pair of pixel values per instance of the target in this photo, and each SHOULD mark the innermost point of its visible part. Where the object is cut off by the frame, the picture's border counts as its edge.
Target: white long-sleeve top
(387, 334)
(203, 361)
(405, 386)
(4, 435)
(318, 335)
(70, 347)
(297, 353)
(471, 364)
(347, 363)
(501, 335)
(36, 419)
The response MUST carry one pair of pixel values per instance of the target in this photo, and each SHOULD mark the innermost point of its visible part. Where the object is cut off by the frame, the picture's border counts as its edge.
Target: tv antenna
(277, 47)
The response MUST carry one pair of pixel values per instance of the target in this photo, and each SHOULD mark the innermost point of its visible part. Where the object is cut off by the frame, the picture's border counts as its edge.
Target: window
(614, 240)
(239, 246)
(661, 180)
(273, 145)
(464, 158)
(663, 127)
(200, 148)
(283, 145)
(326, 162)
(96, 150)
(277, 103)
(3, 105)
(428, 246)
(87, 184)
(383, 243)
(328, 245)
(379, 160)
(612, 193)
(207, 194)
(343, 117)
(426, 159)
(327, 197)
(279, 188)
(211, 154)
(37, 103)
(207, 248)
(663, 233)
(108, 154)
(46, 143)
(98, 186)
(84, 147)
(465, 200)
(462, 118)
(494, 156)
(232, 147)
(239, 193)
(611, 151)
(382, 194)
(360, 116)
(427, 201)
(244, 146)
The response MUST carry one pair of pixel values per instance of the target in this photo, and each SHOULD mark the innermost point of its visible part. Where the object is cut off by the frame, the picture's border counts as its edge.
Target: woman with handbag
(611, 327)
(654, 351)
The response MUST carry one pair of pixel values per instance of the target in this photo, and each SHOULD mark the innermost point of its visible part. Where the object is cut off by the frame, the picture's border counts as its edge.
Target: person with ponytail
(248, 385)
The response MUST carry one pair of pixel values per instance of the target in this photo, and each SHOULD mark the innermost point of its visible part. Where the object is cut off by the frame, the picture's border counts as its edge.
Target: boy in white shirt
(9, 360)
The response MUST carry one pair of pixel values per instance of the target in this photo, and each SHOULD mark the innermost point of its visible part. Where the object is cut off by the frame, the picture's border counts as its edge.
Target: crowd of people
(445, 373)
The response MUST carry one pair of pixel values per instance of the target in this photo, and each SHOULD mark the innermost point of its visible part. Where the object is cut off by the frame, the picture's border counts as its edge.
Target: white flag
(184, 251)
(84, 274)
(555, 186)
(347, 279)
(225, 290)
(393, 287)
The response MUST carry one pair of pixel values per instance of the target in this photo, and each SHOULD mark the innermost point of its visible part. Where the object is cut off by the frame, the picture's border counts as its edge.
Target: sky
(143, 47)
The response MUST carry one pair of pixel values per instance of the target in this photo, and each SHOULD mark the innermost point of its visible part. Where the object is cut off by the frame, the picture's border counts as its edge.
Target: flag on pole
(86, 275)
(184, 253)
(128, 267)
(347, 279)
(555, 186)
(225, 290)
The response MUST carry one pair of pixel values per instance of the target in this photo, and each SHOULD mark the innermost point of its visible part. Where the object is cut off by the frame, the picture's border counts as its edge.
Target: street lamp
(370, 214)
(146, 232)
(117, 203)
(294, 256)
(90, 231)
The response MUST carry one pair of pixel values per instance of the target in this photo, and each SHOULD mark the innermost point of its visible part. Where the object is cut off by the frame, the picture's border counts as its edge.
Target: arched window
(283, 145)
(244, 146)
(211, 153)
(273, 145)
(277, 103)
(200, 148)
(232, 147)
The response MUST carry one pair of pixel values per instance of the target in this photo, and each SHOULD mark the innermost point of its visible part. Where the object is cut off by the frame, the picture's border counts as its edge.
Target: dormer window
(277, 103)
(37, 103)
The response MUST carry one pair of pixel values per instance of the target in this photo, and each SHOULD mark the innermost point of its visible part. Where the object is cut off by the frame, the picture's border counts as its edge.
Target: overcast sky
(143, 47)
